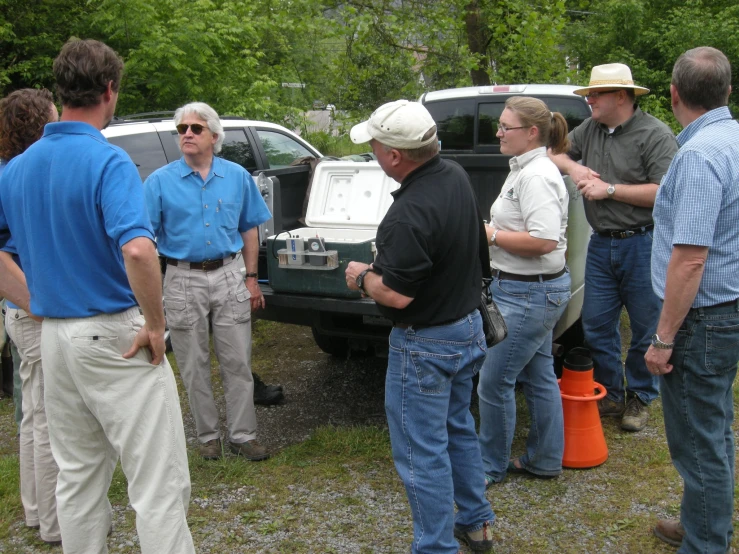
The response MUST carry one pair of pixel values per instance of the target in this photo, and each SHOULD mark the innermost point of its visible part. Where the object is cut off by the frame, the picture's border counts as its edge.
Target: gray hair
(421, 154)
(702, 77)
(207, 114)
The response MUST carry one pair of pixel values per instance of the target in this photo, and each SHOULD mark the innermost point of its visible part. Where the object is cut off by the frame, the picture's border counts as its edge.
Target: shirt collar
(420, 171)
(519, 162)
(708, 118)
(72, 128)
(626, 124)
(216, 168)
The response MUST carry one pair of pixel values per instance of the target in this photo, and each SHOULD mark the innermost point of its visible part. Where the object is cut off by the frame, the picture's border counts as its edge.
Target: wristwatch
(611, 190)
(657, 343)
(360, 280)
(493, 237)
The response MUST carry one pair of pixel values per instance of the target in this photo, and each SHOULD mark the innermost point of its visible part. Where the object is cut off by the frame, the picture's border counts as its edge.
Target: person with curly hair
(23, 115)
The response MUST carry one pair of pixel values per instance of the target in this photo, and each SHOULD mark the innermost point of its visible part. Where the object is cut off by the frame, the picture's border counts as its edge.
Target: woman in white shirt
(531, 286)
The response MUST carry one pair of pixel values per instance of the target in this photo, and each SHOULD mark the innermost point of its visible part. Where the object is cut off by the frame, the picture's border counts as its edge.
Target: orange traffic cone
(585, 444)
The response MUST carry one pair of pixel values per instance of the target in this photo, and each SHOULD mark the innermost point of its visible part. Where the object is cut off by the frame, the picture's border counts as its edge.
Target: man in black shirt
(427, 278)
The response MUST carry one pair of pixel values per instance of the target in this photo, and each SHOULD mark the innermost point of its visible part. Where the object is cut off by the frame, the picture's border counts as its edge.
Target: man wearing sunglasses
(624, 153)
(205, 211)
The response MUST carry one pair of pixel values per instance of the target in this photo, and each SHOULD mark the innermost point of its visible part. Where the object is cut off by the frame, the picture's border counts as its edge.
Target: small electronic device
(316, 245)
(296, 250)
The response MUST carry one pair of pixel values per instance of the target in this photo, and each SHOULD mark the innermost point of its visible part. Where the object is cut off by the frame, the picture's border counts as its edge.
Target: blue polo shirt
(9, 246)
(71, 201)
(196, 219)
(698, 204)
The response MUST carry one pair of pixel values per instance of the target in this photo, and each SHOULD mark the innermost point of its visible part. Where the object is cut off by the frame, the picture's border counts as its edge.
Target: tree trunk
(477, 43)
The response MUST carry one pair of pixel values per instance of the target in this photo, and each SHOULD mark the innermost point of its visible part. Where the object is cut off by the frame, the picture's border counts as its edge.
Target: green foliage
(357, 54)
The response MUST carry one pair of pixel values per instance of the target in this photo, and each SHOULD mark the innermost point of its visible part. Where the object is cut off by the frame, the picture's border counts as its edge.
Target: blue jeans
(432, 432)
(699, 410)
(530, 311)
(618, 274)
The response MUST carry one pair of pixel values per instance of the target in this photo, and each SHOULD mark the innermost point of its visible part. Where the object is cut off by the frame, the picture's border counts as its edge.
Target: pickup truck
(467, 123)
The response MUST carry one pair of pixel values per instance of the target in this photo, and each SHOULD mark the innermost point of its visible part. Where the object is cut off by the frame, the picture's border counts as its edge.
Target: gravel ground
(606, 510)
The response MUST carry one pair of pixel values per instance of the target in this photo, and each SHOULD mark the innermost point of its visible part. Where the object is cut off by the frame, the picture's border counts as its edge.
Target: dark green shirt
(637, 152)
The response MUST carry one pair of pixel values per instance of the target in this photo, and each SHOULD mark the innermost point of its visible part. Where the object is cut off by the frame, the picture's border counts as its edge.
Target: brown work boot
(478, 541)
(251, 450)
(211, 450)
(635, 416)
(670, 531)
(610, 408)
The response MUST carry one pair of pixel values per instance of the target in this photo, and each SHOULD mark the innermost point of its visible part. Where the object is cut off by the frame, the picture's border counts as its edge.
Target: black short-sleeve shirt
(428, 245)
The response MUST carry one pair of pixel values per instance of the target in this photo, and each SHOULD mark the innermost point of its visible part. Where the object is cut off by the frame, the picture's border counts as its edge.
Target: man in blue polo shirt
(74, 205)
(205, 210)
(695, 261)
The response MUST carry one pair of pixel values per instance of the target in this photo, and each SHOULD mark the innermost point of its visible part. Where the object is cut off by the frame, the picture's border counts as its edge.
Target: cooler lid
(349, 195)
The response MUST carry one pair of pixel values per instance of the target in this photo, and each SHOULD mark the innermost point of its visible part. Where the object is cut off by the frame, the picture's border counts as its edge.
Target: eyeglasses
(197, 128)
(505, 129)
(596, 95)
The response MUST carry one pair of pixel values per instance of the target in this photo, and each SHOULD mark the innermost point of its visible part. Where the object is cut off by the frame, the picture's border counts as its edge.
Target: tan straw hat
(610, 76)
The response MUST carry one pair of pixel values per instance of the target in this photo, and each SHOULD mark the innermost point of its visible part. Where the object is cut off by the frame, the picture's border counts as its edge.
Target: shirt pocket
(229, 215)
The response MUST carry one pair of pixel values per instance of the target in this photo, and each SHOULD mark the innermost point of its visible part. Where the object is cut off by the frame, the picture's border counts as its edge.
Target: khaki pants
(38, 468)
(100, 407)
(192, 299)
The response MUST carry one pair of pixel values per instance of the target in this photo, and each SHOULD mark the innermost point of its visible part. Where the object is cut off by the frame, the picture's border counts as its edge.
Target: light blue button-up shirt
(698, 204)
(196, 219)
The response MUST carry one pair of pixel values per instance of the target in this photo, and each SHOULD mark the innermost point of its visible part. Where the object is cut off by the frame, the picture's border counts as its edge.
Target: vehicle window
(281, 150)
(237, 148)
(489, 119)
(455, 123)
(145, 150)
(574, 110)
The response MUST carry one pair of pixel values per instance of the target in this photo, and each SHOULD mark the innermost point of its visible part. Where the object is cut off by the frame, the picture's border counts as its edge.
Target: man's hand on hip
(153, 340)
(658, 360)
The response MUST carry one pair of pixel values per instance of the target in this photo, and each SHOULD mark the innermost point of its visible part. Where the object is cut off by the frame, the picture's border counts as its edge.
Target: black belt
(626, 233)
(721, 305)
(498, 274)
(401, 325)
(205, 265)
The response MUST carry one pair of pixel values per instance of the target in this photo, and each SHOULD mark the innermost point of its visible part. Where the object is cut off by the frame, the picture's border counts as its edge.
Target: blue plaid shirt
(698, 204)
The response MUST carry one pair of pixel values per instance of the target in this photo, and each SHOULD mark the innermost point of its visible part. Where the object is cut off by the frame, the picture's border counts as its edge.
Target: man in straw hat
(696, 260)
(624, 154)
(426, 279)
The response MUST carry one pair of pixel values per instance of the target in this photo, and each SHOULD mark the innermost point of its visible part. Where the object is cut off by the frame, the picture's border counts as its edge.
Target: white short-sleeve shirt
(534, 199)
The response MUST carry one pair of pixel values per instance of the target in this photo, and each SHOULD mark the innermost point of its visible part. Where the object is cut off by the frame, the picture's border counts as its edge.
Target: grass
(339, 486)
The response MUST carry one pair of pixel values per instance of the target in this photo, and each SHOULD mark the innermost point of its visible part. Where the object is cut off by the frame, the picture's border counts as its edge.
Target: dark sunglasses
(197, 128)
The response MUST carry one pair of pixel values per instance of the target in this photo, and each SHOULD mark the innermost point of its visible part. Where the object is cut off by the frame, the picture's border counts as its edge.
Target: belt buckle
(209, 265)
(626, 234)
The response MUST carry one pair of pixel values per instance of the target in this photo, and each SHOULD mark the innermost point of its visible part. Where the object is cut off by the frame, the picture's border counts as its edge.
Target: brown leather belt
(498, 274)
(205, 265)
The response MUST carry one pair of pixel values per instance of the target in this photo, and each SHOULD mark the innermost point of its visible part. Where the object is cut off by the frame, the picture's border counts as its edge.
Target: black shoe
(266, 395)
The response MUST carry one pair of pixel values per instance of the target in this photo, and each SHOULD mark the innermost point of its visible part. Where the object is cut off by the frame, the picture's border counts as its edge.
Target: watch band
(360, 280)
(660, 344)
(250, 275)
(493, 238)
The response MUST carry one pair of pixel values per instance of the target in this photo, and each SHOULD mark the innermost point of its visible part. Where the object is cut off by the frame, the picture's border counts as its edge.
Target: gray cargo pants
(192, 298)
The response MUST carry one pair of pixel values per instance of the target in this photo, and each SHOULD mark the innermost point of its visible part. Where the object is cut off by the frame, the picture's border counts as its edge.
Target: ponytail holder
(551, 114)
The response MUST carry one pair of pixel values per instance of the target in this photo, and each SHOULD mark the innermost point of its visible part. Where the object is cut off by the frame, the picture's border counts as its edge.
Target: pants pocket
(722, 348)
(176, 314)
(434, 371)
(239, 297)
(556, 301)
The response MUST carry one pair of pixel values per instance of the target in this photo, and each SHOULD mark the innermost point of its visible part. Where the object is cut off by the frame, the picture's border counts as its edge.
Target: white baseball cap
(400, 124)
